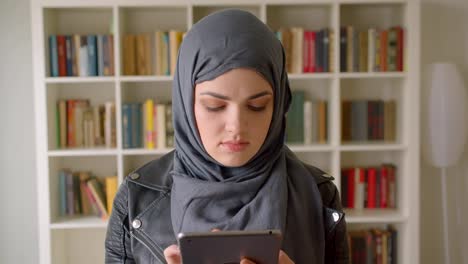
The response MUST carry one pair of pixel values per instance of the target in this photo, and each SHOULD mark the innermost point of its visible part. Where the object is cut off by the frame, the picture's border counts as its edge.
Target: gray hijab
(262, 193)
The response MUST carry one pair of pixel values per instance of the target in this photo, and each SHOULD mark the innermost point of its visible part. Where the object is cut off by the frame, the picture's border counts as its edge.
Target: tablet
(229, 247)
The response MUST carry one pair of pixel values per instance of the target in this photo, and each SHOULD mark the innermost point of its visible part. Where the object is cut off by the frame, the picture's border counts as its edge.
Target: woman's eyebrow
(223, 97)
(259, 95)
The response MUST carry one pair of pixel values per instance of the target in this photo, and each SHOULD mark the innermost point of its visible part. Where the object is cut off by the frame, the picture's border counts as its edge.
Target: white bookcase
(81, 240)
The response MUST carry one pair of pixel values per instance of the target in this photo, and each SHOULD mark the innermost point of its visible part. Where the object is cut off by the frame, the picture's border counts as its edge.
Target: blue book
(166, 42)
(326, 40)
(137, 125)
(100, 54)
(53, 56)
(92, 55)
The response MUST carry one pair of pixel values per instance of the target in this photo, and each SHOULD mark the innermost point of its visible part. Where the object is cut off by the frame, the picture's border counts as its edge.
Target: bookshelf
(80, 239)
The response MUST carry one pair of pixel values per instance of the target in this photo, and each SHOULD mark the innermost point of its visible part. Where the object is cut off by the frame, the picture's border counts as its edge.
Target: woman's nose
(235, 121)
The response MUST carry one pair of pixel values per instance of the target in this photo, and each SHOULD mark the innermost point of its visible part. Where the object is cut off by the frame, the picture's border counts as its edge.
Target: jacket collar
(155, 174)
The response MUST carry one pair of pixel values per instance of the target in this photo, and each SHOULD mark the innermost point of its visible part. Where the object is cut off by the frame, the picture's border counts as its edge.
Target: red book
(400, 48)
(371, 185)
(384, 187)
(62, 55)
(306, 52)
(313, 67)
(391, 187)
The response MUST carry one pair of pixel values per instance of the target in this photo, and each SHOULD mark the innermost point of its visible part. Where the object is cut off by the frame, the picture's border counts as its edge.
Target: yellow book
(175, 39)
(111, 190)
(129, 64)
(149, 108)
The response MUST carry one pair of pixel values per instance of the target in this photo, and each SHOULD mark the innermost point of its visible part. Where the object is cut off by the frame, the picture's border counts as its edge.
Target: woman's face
(233, 114)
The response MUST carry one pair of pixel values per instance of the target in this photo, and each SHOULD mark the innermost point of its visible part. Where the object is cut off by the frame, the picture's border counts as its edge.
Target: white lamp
(445, 110)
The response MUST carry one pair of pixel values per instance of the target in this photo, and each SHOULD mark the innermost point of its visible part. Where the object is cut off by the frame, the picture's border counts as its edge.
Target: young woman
(230, 169)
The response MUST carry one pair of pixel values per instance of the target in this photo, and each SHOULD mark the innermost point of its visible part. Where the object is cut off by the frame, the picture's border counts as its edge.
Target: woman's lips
(234, 146)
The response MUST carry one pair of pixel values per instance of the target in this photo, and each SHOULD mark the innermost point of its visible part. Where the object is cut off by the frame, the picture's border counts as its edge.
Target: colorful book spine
(126, 126)
(149, 108)
(53, 54)
(62, 56)
(69, 55)
(92, 55)
(111, 190)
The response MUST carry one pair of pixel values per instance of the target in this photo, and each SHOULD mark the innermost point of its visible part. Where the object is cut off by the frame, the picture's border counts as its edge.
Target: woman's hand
(172, 252)
(282, 259)
(172, 255)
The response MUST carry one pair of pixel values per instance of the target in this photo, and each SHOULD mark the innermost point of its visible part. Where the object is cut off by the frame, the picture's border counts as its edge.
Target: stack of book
(364, 120)
(372, 50)
(369, 187)
(79, 125)
(151, 54)
(306, 50)
(306, 121)
(147, 124)
(81, 193)
(77, 55)
(373, 246)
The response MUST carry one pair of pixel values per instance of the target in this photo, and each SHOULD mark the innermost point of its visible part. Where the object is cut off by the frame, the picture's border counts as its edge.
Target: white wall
(444, 38)
(18, 213)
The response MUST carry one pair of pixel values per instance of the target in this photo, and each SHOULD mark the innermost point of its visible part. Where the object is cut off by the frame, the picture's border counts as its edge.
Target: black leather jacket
(141, 219)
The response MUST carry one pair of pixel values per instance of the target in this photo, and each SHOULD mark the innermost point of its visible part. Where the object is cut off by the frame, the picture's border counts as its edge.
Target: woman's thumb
(172, 255)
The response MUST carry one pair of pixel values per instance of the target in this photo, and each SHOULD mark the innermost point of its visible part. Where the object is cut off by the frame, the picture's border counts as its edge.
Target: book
(99, 196)
(68, 55)
(286, 40)
(308, 119)
(76, 54)
(161, 126)
(53, 55)
(85, 202)
(62, 55)
(175, 39)
(149, 127)
(295, 119)
(349, 49)
(109, 125)
(111, 190)
(297, 52)
(63, 192)
(84, 57)
(92, 55)
(100, 55)
(143, 54)
(323, 123)
(129, 55)
(162, 53)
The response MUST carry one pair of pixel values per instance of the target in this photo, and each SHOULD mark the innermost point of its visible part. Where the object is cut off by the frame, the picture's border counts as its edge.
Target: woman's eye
(215, 108)
(256, 108)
